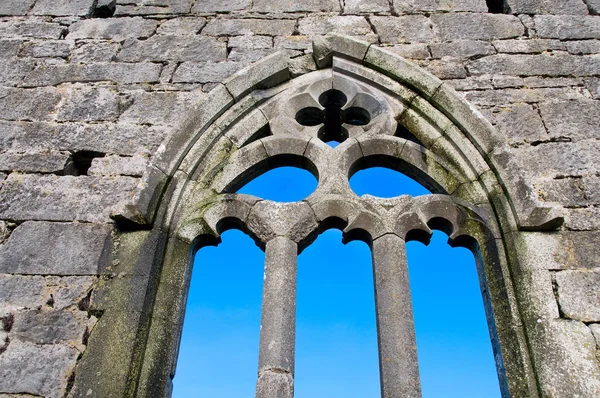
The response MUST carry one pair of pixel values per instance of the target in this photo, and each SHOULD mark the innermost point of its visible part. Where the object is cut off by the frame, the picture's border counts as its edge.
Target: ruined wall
(89, 90)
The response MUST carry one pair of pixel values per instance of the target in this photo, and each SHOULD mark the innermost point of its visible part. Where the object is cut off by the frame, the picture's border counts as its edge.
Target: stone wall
(90, 88)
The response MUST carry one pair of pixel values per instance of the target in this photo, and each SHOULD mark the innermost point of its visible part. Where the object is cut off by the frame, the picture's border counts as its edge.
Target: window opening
(282, 184)
(385, 183)
(495, 6)
(336, 336)
(333, 117)
(453, 340)
(222, 321)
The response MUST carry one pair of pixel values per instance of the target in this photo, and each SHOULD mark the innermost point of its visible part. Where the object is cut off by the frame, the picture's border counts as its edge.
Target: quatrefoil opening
(333, 116)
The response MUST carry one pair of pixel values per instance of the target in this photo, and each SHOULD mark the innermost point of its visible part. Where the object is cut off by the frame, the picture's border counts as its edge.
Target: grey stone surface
(31, 28)
(95, 52)
(546, 7)
(35, 292)
(162, 108)
(49, 197)
(520, 122)
(536, 65)
(322, 25)
(295, 6)
(205, 72)
(49, 327)
(414, 50)
(51, 75)
(584, 47)
(44, 376)
(124, 139)
(15, 7)
(554, 159)
(567, 27)
(583, 219)
(117, 29)
(154, 7)
(591, 188)
(266, 73)
(593, 6)
(250, 42)
(593, 85)
(58, 48)
(44, 162)
(462, 49)
(12, 71)
(566, 191)
(239, 27)
(410, 28)
(411, 6)
(119, 165)
(209, 6)
(361, 6)
(63, 7)
(533, 46)
(37, 104)
(578, 294)
(75, 249)
(450, 27)
(182, 26)
(90, 105)
(174, 48)
(578, 119)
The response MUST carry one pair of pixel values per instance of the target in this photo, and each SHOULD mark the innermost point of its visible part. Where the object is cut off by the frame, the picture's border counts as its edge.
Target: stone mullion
(278, 323)
(398, 364)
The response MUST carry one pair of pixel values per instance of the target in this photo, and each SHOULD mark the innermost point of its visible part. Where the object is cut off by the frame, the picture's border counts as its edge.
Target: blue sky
(336, 339)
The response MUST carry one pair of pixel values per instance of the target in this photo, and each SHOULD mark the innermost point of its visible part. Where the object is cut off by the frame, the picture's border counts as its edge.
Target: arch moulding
(395, 115)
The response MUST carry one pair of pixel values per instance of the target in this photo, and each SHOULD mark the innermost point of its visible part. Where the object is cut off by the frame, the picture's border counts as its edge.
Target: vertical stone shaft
(398, 366)
(278, 323)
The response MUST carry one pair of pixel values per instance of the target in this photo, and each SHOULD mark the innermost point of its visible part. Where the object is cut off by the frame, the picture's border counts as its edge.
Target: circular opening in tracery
(310, 116)
(356, 116)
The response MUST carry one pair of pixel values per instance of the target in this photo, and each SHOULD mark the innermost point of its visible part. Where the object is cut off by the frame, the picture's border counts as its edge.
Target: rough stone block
(578, 294)
(520, 122)
(251, 42)
(117, 29)
(34, 104)
(565, 191)
(583, 219)
(49, 48)
(49, 327)
(161, 108)
(445, 69)
(404, 29)
(413, 51)
(450, 27)
(240, 27)
(126, 73)
(362, 6)
(10, 47)
(583, 47)
(532, 65)
(593, 6)
(322, 25)
(209, 6)
(95, 52)
(577, 119)
(205, 72)
(591, 187)
(248, 55)
(13, 70)
(63, 7)
(31, 28)
(182, 26)
(41, 370)
(15, 7)
(90, 105)
(118, 165)
(567, 27)
(559, 251)
(34, 291)
(461, 49)
(411, 6)
(301, 65)
(593, 85)
(154, 7)
(295, 6)
(123, 139)
(174, 48)
(50, 197)
(546, 7)
(299, 42)
(45, 162)
(533, 46)
(561, 159)
(71, 249)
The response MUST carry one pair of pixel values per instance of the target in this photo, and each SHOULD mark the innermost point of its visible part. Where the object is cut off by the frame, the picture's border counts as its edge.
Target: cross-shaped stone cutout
(333, 116)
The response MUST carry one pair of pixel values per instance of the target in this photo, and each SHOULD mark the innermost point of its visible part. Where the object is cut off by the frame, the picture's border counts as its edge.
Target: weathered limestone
(578, 294)
(77, 249)
(117, 29)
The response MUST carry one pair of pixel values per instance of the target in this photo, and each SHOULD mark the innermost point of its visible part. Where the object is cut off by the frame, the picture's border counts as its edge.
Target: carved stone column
(398, 365)
(278, 323)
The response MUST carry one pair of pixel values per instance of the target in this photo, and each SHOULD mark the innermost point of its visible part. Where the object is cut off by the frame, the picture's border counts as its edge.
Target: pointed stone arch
(248, 125)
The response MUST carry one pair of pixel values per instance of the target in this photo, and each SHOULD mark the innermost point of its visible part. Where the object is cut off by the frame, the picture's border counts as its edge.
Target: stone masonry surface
(88, 93)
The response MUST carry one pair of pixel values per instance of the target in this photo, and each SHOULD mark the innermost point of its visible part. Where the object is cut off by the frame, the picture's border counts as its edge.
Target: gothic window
(364, 108)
